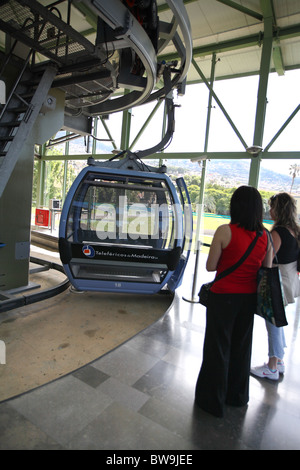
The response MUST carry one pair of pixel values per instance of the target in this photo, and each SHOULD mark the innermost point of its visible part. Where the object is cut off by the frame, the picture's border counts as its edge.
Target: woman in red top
(225, 370)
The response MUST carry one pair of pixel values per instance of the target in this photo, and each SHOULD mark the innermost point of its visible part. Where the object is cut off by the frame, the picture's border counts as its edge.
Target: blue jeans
(276, 339)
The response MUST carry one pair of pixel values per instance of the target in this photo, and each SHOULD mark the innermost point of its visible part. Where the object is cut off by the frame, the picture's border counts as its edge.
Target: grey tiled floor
(140, 396)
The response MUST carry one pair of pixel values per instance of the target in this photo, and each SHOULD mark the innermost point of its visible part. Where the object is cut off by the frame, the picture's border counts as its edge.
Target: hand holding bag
(270, 295)
(205, 288)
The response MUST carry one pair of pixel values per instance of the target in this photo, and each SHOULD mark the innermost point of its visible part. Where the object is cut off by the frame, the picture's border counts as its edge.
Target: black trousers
(225, 371)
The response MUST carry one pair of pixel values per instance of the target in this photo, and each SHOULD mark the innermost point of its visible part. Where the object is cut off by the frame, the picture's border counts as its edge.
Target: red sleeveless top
(243, 280)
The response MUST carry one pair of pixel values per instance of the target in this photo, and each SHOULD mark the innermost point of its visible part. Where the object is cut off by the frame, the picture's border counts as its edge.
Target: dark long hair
(246, 208)
(285, 212)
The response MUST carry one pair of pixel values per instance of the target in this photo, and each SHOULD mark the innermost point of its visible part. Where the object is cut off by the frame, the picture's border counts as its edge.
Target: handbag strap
(271, 241)
(241, 260)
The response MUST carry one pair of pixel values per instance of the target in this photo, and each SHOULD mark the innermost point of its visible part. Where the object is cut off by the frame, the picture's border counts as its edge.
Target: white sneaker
(281, 367)
(264, 372)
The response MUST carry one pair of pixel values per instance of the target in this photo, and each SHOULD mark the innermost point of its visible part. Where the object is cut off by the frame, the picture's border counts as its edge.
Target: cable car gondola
(125, 230)
(124, 227)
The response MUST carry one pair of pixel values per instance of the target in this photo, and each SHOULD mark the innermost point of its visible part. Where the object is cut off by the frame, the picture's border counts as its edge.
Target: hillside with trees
(222, 178)
(217, 197)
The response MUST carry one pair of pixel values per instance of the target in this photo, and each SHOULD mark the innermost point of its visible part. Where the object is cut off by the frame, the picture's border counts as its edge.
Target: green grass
(210, 222)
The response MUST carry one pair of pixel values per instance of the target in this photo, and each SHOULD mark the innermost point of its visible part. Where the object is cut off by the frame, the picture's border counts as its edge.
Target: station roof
(235, 30)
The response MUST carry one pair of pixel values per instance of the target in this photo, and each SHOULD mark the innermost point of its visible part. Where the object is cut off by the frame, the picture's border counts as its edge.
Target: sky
(238, 96)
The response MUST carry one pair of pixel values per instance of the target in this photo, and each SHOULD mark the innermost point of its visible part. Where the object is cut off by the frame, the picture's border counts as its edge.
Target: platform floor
(51, 338)
(140, 396)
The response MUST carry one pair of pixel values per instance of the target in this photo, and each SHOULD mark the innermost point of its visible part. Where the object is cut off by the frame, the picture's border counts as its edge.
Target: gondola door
(123, 231)
(187, 238)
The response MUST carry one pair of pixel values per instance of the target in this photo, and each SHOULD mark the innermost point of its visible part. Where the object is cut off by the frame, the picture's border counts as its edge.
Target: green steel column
(202, 184)
(126, 123)
(163, 130)
(16, 201)
(266, 55)
(15, 216)
(95, 132)
(64, 188)
(65, 177)
(38, 165)
(41, 180)
(212, 78)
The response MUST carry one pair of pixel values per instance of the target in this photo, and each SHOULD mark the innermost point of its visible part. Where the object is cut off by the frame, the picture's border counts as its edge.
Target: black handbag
(204, 293)
(205, 288)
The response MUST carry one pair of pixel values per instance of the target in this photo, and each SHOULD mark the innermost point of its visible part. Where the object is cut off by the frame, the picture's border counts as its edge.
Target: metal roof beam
(199, 156)
(242, 9)
(194, 156)
(89, 15)
(239, 43)
(269, 10)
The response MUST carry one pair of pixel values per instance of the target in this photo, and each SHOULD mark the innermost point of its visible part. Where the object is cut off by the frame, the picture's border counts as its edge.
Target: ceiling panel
(237, 37)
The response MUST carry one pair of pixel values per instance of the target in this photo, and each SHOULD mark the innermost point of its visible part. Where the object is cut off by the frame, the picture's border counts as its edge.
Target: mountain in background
(235, 172)
(228, 173)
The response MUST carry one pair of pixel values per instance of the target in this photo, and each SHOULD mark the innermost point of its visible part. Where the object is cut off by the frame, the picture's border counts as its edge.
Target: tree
(222, 206)
(209, 204)
(294, 171)
(194, 191)
(54, 181)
